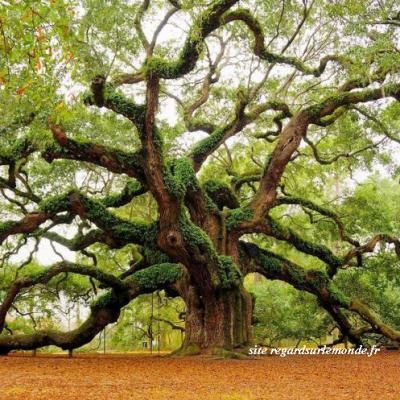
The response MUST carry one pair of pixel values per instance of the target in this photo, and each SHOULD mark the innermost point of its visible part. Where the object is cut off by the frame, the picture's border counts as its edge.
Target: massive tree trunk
(217, 323)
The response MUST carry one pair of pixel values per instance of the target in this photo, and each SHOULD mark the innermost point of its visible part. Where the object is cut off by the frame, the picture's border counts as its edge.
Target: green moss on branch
(113, 159)
(322, 252)
(204, 147)
(274, 266)
(156, 277)
(104, 300)
(237, 216)
(179, 177)
(19, 149)
(55, 204)
(221, 194)
(127, 231)
(107, 96)
(131, 190)
(337, 296)
(229, 272)
(204, 24)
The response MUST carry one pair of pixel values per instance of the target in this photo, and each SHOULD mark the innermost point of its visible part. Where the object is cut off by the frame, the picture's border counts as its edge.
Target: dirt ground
(89, 377)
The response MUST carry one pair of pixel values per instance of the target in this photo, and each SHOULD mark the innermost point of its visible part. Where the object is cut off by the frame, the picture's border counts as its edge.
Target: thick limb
(104, 310)
(45, 276)
(273, 266)
(113, 160)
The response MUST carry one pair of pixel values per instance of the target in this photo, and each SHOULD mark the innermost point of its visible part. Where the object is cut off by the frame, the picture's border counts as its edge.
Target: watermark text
(290, 351)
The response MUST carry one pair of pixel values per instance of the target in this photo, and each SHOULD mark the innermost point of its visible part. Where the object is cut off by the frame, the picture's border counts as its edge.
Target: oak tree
(225, 114)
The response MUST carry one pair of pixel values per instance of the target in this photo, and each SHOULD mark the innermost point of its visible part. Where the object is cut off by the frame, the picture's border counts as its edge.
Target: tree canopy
(180, 146)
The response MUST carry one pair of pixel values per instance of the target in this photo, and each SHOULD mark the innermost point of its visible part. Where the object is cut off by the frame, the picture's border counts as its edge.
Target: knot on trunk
(173, 238)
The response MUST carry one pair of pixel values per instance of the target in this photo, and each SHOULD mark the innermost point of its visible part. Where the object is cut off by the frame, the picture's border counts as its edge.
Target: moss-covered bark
(196, 238)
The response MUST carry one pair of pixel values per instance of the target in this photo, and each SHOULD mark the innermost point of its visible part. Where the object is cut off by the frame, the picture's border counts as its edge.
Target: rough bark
(217, 323)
